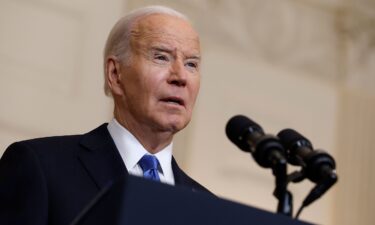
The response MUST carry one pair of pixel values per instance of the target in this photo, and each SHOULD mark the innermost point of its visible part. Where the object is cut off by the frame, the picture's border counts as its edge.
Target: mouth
(174, 100)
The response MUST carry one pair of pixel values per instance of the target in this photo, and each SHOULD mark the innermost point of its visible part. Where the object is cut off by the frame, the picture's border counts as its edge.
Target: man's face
(161, 82)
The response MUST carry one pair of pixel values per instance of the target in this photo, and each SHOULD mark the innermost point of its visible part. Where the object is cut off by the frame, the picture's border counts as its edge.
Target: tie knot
(148, 162)
(149, 165)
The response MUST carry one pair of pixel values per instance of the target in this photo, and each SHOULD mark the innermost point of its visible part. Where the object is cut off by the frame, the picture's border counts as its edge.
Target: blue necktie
(149, 165)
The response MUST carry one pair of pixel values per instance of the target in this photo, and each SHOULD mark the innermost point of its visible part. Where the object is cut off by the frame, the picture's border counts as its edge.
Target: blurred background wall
(304, 64)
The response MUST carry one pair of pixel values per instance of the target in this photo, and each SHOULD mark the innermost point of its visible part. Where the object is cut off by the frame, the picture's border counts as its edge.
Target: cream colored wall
(305, 64)
(51, 66)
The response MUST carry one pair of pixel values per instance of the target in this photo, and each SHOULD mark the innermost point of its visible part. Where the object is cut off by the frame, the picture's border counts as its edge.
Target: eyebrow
(161, 49)
(170, 51)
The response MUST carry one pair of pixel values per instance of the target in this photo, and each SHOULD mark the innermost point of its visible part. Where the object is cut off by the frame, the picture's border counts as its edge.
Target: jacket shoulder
(54, 144)
(182, 179)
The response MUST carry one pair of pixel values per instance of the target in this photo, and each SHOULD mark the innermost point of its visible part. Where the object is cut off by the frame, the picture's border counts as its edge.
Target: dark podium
(136, 201)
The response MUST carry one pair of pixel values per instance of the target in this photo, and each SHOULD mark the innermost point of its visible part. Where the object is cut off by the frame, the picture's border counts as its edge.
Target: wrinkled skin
(156, 90)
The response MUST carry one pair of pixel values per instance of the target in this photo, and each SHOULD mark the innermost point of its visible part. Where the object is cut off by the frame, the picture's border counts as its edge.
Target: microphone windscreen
(237, 126)
(290, 137)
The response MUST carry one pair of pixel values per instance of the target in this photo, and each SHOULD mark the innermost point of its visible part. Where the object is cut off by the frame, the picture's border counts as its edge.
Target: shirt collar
(131, 150)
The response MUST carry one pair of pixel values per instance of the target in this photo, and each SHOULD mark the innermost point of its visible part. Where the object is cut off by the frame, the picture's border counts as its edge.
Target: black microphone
(299, 151)
(318, 166)
(267, 150)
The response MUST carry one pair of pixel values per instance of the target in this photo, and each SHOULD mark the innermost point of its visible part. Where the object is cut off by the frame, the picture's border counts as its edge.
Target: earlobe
(113, 75)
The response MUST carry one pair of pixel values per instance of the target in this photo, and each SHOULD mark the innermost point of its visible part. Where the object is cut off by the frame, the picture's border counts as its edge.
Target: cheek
(153, 78)
(194, 90)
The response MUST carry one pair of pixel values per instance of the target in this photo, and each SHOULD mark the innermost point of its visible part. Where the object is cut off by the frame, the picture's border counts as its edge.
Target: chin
(176, 125)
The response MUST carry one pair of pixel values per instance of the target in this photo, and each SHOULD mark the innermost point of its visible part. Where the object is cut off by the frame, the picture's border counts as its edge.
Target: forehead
(160, 29)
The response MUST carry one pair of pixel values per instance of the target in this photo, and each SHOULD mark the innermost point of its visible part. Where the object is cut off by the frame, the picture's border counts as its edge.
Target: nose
(177, 74)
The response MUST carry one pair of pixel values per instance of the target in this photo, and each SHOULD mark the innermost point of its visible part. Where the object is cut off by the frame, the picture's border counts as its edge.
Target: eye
(161, 57)
(193, 65)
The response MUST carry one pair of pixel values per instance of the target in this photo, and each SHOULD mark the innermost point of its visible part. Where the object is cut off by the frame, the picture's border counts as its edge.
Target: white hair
(118, 42)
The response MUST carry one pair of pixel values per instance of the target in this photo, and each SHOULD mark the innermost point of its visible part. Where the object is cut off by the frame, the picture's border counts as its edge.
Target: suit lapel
(180, 177)
(101, 158)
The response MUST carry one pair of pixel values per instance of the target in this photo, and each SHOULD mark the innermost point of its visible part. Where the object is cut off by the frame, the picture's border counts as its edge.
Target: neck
(151, 139)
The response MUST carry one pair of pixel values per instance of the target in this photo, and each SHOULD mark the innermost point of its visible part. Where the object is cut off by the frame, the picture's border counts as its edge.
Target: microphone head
(236, 129)
(292, 141)
(289, 138)
(318, 165)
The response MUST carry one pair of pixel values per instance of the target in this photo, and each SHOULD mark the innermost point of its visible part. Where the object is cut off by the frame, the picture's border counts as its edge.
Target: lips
(174, 100)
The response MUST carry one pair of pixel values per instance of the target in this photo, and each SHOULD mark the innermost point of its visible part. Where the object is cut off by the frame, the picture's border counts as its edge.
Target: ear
(113, 75)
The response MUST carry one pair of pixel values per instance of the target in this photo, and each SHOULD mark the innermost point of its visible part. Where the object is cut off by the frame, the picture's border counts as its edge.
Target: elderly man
(152, 71)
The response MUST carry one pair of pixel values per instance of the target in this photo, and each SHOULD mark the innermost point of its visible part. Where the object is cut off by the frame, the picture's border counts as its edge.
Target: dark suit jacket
(50, 180)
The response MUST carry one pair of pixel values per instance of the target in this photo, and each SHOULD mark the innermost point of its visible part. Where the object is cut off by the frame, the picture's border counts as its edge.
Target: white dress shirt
(132, 151)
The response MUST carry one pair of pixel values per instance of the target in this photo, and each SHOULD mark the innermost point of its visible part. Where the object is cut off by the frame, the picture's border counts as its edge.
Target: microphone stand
(285, 197)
